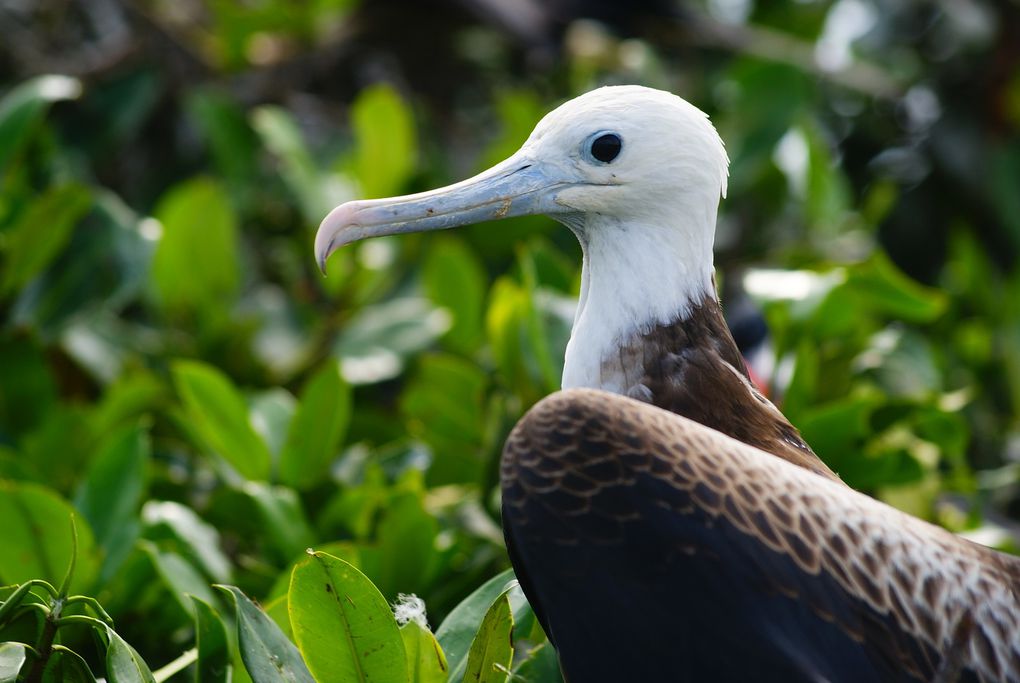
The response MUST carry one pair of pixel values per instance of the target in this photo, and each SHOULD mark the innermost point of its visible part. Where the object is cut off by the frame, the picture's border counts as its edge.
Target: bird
(664, 519)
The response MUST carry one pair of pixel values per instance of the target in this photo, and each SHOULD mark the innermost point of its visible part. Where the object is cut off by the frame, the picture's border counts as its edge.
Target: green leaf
(281, 135)
(385, 141)
(342, 623)
(406, 545)
(213, 664)
(219, 415)
(41, 231)
(444, 407)
(373, 345)
(885, 289)
(231, 140)
(426, 662)
(458, 629)
(317, 429)
(12, 656)
(283, 520)
(23, 108)
(454, 279)
(271, 413)
(492, 650)
(268, 655)
(110, 494)
(179, 527)
(123, 663)
(36, 541)
(180, 577)
(195, 269)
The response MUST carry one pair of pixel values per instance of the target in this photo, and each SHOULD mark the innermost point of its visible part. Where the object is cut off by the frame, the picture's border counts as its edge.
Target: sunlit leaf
(219, 414)
(458, 629)
(195, 268)
(110, 494)
(373, 345)
(177, 526)
(318, 428)
(342, 624)
(444, 406)
(36, 541)
(12, 656)
(426, 662)
(283, 520)
(385, 140)
(491, 650)
(455, 280)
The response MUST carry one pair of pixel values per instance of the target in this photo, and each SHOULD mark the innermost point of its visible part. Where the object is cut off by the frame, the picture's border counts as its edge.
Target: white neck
(634, 277)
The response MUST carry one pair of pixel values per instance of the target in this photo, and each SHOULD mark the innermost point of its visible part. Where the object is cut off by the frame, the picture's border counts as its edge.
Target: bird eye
(606, 147)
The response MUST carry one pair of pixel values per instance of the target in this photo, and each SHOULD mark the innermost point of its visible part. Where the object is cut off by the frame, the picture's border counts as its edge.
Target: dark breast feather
(655, 549)
(692, 367)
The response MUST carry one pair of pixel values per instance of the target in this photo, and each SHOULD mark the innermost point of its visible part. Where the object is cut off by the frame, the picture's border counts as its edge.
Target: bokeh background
(175, 370)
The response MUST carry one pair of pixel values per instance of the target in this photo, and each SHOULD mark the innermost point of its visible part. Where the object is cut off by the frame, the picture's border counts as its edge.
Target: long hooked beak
(517, 186)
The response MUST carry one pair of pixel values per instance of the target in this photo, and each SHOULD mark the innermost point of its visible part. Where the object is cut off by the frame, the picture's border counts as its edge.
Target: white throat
(635, 276)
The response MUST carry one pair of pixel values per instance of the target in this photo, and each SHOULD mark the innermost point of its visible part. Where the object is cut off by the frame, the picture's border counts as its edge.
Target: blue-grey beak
(516, 187)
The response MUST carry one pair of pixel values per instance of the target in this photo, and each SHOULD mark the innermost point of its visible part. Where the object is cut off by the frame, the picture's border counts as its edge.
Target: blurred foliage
(175, 373)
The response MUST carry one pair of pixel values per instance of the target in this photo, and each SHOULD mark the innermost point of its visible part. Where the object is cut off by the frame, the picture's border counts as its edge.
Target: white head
(635, 173)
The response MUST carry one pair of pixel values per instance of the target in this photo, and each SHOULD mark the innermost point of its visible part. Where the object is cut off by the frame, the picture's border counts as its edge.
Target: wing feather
(654, 548)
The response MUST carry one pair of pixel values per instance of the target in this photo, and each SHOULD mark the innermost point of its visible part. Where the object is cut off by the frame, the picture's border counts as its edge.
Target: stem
(46, 642)
(187, 658)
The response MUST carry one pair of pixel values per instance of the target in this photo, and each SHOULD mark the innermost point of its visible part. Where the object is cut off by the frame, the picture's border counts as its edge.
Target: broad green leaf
(180, 577)
(41, 232)
(283, 520)
(342, 623)
(374, 344)
(458, 629)
(884, 288)
(12, 656)
(347, 551)
(195, 268)
(271, 413)
(455, 280)
(407, 546)
(36, 540)
(213, 664)
(268, 655)
(219, 415)
(426, 662)
(23, 108)
(385, 141)
(317, 429)
(110, 494)
(179, 527)
(123, 663)
(444, 407)
(492, 650)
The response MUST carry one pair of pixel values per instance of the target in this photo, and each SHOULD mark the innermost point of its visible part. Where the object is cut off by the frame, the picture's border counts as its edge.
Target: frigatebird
(665, 520)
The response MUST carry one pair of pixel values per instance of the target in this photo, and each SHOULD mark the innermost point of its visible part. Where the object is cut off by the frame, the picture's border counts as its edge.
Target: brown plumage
(756, 569)
(692, 367)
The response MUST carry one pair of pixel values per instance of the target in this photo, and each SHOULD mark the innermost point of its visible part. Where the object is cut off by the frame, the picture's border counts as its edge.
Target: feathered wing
(654, 548)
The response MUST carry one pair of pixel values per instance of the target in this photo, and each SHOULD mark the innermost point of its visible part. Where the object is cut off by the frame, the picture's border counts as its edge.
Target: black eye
(606, 147)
